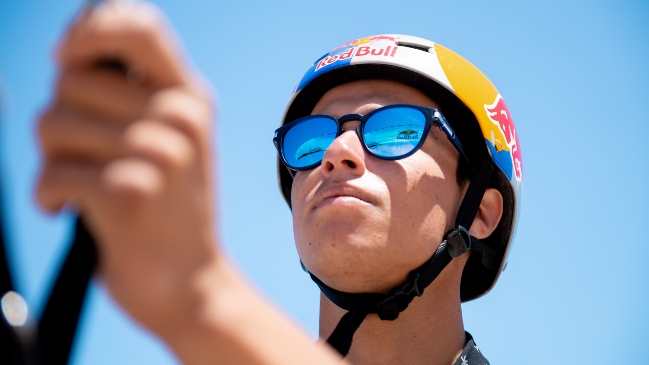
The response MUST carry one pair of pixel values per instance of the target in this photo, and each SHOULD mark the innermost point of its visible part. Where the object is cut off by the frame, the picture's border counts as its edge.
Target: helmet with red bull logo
(472, 105)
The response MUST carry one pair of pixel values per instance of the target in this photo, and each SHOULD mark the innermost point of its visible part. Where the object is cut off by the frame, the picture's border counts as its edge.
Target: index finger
(133, 33)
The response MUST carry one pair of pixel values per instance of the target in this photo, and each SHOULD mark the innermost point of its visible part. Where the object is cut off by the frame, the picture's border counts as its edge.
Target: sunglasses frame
(433, 117)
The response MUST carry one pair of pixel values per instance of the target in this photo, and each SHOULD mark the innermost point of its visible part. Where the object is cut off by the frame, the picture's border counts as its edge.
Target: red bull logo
(499, 115)
(408, 134)
(388, 51)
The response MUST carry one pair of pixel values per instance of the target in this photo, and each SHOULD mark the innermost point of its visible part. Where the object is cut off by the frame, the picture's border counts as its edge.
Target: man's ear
(489, 214)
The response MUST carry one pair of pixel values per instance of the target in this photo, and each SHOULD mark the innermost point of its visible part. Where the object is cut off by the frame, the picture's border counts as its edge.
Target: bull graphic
(499, 115)
(408, 134)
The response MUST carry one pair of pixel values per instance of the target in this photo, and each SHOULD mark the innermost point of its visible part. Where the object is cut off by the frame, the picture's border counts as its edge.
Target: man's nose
(345, 155)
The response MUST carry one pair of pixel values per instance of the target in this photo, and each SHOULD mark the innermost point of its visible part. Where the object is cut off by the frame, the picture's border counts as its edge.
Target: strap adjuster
(410, 288)
(458, 241)
(399, 298)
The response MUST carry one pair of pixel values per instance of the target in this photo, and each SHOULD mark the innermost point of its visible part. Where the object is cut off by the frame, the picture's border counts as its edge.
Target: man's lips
(348, 193)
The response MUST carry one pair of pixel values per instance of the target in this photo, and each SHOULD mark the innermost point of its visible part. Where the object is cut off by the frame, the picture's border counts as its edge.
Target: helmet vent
(420, 47)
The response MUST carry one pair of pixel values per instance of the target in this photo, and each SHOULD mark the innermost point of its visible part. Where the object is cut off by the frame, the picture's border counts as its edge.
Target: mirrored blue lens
(394, 132)
(306, 142)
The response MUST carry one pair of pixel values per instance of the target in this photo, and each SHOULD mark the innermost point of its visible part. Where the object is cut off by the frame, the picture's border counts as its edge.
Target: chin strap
(388, 306)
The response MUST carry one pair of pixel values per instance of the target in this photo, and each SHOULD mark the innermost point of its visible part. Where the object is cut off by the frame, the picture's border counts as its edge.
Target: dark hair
(464, 173)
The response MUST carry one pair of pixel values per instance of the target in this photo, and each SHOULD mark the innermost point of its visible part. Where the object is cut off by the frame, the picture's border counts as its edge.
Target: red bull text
(359, 51)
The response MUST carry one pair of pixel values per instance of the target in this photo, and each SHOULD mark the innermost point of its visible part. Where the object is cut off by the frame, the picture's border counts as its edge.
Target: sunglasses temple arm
(290, 171)
(458, 146)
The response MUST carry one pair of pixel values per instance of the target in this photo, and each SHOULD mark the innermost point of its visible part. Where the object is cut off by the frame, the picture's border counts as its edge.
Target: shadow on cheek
(297, 195)
(410, 205)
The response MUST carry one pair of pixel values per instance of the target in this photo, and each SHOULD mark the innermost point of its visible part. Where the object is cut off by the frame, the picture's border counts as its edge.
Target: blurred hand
(130, 150)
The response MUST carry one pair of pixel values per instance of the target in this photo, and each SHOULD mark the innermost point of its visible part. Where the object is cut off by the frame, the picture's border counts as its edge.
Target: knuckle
(45, 191)
(131, 181)
(186, 120)
(189, 113)
(173, 158)
(176, 157)
(136, 136)
(166, 147)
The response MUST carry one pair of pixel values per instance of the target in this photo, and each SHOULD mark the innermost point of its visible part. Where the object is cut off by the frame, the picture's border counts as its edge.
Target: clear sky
(574, 75)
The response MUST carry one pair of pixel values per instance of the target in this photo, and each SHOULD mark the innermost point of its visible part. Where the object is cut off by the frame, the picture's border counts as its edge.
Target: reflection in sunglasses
(315, 145)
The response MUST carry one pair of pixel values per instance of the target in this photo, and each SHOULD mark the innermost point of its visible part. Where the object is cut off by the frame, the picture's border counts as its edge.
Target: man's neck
(430, 331)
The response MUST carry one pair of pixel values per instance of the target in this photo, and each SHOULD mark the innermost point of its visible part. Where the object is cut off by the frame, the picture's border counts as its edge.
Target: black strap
(488, 255)
(474, 193)
(12, 349)
(388, 306)
(58, 323)
(6, 283)
(341, 337)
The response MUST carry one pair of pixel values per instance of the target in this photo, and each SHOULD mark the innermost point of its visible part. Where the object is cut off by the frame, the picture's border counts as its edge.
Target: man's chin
(348, 263)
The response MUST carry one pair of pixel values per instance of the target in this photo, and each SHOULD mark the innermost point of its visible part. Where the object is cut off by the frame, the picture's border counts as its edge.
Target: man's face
(362, 224)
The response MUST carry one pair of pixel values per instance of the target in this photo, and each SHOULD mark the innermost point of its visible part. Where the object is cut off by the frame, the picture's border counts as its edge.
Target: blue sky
(575, 79)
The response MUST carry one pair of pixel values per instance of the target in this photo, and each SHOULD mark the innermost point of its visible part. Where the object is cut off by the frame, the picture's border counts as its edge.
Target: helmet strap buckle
(389, 308)
(458, 241)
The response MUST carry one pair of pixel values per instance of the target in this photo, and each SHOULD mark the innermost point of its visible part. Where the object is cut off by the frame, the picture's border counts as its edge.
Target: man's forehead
(363, 96)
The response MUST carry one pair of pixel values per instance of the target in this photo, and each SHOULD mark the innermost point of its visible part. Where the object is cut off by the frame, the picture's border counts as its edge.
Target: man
(386, 180)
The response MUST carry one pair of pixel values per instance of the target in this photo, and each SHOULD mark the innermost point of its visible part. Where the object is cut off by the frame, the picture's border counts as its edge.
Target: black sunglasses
(389, 133)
